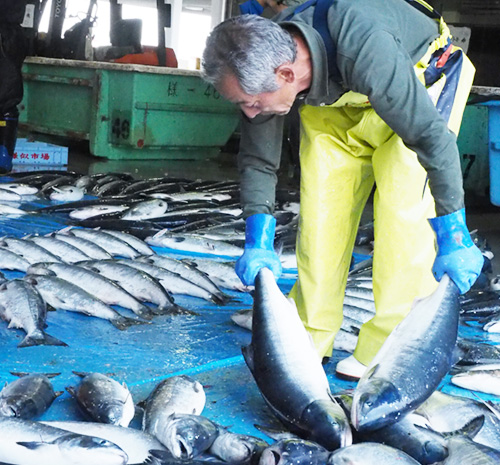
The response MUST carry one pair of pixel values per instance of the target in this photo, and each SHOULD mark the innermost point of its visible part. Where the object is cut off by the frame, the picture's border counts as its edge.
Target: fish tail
(145, 312)
(40, 338)
(221, 298)
(178, 310)
(123, 322)
(164, 309)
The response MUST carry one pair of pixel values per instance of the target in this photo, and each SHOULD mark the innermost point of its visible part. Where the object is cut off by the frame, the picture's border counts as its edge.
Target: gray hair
(251, 48)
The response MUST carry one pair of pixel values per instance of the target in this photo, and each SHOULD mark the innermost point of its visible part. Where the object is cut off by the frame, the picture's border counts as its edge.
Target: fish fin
(161, 233)
(29, 278)
(40, 338)
(278, 248)
(141, 404)
(456, 370)
(71, 391)
(81, 374)
(457, 355)
(21, 374)
(158, 457)
(369, 373)
(276, 433)
(488, 404)
(247, 352)
(58, 393)
(175, 310)
(50, 308)
(123, 322)
(220, 298)
(470, 429)
(146, 312)
(32, 445)
(139, 411)
(65, 230)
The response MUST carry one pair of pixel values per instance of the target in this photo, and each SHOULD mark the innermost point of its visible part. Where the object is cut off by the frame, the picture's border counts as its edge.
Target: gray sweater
(377, 44)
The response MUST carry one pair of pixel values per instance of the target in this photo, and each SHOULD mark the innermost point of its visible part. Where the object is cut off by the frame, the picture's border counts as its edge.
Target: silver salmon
(23, 307)
(412, 362)
(288, 370)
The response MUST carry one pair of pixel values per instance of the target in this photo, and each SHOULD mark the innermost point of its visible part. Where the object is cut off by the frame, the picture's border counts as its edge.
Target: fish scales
(175, 395)
(27, 397)
(370, 453)
(172, 282)
(447, 413)
(135, 443)
(299, 397)
(31, 252)
(26, 442)
(89, 248)
(23, 307)
(111, 244)
(189, 272)
(137, 282)
(133, 241)
(64, 251)
(104, 400)
(411, 363)
(60, 292)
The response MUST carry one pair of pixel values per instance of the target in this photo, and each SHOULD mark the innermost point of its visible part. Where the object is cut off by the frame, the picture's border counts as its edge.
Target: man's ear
(286, 73)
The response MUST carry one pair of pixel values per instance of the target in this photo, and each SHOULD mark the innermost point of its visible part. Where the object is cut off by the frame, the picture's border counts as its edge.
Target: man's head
(247, 60)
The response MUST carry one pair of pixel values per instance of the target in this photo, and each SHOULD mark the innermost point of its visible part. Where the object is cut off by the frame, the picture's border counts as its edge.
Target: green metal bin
(126, 111)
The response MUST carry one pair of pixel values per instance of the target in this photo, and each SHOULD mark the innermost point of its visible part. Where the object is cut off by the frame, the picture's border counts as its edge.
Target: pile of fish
(395, 414)
(89, 271)
(143, 207)
(173, 429)
(106, 257)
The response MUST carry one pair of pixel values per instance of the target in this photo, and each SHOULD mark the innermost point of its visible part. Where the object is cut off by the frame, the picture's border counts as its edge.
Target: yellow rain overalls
(345, 149)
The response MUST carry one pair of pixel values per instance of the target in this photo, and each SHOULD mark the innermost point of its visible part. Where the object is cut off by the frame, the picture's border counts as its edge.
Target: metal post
(164, 20)
(57, 15)
(115, 10)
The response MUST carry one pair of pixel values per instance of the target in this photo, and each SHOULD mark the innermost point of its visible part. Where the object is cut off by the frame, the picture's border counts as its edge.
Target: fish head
(375, 404)
(10, 406)
(116, 414)
(328, 424)
(89, 449)
(18, 406)
(187, 436)
(434, 451)
(294, 451)
(40, 269)
(232, 448)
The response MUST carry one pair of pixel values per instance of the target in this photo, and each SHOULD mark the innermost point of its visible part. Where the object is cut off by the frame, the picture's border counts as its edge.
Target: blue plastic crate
(494, 149)
(39, 153)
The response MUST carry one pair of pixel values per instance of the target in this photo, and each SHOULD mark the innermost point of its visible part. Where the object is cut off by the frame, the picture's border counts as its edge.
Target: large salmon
(288, 370)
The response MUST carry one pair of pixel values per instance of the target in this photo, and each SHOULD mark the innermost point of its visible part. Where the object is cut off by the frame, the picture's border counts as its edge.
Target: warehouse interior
(113, 87)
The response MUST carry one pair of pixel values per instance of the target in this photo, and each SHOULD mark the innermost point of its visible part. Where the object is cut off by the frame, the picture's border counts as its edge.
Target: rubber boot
(8, 136)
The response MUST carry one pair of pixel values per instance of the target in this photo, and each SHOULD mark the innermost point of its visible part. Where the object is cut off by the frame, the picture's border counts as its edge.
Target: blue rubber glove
(251, 7)
(259, 249)
(457, 254)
